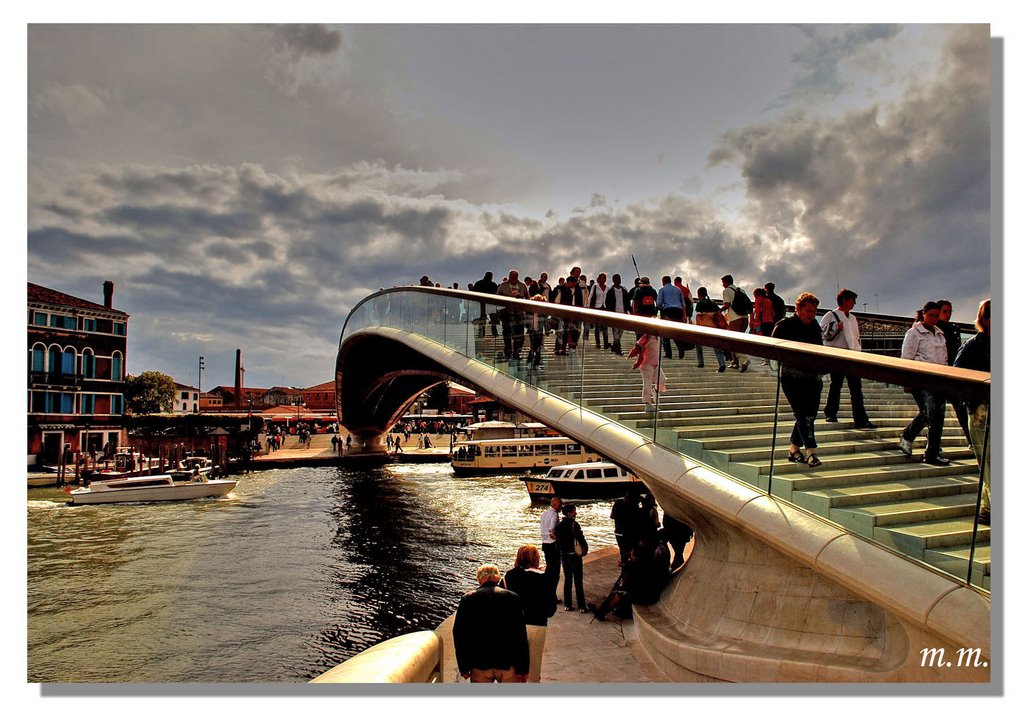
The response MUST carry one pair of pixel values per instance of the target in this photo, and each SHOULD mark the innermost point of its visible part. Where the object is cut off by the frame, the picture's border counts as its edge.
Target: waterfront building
(77, 351)
(210, 401)
(319, 397)
(186, 399)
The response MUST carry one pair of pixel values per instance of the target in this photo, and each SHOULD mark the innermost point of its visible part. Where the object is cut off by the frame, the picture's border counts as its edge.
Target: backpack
(741, 304)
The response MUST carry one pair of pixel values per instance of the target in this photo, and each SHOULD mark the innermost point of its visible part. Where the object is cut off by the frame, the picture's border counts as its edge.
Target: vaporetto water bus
(476, 457)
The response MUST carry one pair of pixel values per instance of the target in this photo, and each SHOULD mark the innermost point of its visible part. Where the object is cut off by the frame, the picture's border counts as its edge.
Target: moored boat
(582, 481)
(151, 488)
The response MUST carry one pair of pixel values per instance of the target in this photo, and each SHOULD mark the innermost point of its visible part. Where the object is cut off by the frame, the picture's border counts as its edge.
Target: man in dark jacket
(490, 633)
(487, 285)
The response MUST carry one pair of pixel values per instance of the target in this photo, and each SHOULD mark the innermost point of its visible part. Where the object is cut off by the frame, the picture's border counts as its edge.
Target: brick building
(76, 369)
(320, 397)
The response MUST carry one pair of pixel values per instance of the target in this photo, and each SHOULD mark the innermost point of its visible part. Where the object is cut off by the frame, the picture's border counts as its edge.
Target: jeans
(719, 354)
(572, 565)
(552, 562)
(804, 396)
(835, 386)
(932, 412)
(675, 314)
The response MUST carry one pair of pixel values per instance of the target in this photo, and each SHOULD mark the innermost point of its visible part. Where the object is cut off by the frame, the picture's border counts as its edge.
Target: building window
(184, 394)
(65, 322)
(67, 362)
(88, 364)
(120, 328)
(87, 403)
(115, 367)
(39, 318)
(38, 359)
(116, 405)
(89, 324)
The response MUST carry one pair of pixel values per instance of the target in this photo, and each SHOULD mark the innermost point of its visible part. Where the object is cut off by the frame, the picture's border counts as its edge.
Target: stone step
(955, 560)
(824, 477)
(882, 502)
(857, 442)
(949, 533)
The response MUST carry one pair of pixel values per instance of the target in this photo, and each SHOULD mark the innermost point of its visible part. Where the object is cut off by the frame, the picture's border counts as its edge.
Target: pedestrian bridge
(859, 570)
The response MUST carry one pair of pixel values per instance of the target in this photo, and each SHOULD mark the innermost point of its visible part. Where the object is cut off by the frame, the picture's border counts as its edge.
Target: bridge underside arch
(377, 379)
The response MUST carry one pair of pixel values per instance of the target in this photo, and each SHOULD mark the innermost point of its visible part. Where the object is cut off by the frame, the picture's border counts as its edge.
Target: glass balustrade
(769, 425)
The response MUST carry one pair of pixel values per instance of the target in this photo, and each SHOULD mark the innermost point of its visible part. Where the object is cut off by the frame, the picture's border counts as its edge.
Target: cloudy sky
(244, 186)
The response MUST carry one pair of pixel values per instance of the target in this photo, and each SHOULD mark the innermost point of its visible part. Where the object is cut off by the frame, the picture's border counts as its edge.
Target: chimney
(108, 294)
(239, 372)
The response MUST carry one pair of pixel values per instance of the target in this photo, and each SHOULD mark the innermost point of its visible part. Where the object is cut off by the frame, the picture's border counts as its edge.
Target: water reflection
(293, 572)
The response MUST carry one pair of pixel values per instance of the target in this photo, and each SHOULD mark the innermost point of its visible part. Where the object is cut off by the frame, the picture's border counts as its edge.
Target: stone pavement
(320, 449)
(578, 650)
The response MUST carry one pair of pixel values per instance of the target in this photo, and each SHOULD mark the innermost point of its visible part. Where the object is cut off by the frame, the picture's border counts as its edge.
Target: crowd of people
(500, 627)
(932, 338)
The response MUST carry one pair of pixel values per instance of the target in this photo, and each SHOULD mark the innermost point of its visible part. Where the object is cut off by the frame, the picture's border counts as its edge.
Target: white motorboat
(151, 488)
(582, 481)
(193, 467)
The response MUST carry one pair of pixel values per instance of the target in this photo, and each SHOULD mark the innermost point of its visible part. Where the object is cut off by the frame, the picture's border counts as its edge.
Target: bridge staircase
(728, 422)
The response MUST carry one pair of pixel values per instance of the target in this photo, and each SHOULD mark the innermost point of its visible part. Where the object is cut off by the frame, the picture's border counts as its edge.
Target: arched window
(68, 360)
(54, 363)
(88, 364)
(39, 358)
(116, 367)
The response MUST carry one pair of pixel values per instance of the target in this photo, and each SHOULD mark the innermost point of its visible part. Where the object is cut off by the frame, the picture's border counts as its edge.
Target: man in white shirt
(548, 544)
(596, 300)
(839, 329)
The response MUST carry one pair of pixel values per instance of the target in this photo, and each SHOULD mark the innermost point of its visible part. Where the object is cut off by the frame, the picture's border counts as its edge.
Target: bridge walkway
(728, 421)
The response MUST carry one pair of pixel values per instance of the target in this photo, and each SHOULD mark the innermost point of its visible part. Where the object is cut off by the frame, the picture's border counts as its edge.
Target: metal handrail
(951, 381)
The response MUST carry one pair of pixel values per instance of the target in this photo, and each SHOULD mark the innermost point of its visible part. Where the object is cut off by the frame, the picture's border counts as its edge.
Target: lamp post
(202, 366)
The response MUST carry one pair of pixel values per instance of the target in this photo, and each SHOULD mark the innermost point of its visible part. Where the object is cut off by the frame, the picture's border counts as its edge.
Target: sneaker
(744, 366)
(721, 368)
(940, 460)
(700, 365)
(584, 610)
(569, 608)
(866, 426)
(906, 447)
(831, 418)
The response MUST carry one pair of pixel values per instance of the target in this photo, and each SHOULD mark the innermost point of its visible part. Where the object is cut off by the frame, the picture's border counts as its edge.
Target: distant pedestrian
(649, 364)
(625, 516)
(707, 314)
(489, 632)
(572, 547)
(617, 300)
(548, 541)
(336, 444)
(953, 342)
(976, 354)
(925, 342)
(839, 329)
(778, 304)
(737, 307)
(348, 442)
(645, 301)
(801, 384)
(672, 306)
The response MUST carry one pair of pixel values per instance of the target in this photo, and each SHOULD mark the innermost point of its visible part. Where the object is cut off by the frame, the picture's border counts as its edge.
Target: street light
(202, 366)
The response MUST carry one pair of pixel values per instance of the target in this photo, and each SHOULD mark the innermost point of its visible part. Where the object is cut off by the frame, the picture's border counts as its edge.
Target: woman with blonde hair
(537, 592)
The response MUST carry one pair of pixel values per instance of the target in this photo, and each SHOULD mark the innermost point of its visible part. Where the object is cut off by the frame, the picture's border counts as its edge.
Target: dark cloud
(309, 39)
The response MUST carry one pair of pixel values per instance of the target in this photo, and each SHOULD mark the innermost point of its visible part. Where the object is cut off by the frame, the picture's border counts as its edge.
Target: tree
(149, 392)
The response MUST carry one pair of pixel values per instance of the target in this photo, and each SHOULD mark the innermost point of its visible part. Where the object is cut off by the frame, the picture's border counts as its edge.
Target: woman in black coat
(536, 589)
(569, 534)
(802, 385)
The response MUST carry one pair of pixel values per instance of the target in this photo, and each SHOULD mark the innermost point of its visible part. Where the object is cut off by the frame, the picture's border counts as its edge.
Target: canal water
(292, 573)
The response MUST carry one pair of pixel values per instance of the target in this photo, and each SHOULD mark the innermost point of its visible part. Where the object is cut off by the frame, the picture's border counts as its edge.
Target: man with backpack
(736, 305)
